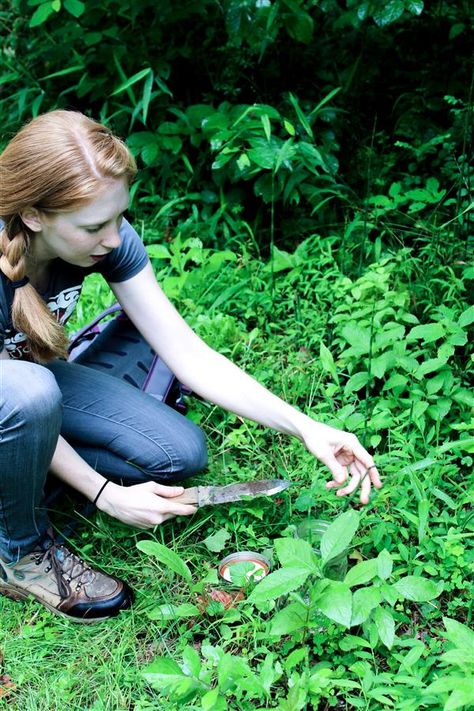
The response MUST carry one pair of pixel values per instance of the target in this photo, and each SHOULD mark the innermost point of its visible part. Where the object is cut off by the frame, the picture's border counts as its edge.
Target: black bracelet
(100, 491)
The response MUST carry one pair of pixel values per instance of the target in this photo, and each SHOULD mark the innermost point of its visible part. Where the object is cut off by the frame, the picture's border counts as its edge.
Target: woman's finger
(167, 491)
(338, 471)
(353, 482)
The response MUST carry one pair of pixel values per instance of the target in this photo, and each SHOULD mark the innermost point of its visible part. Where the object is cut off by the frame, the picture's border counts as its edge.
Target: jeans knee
(193, 451)
(28, 392)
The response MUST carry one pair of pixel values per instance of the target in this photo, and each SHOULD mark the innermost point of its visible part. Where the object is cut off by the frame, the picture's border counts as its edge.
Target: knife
(211, 495)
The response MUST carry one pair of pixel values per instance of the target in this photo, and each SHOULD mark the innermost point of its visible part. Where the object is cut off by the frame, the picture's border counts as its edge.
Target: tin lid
(261, 565)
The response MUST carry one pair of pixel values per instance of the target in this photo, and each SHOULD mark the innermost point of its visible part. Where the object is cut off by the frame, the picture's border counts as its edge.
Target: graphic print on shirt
(62, 306)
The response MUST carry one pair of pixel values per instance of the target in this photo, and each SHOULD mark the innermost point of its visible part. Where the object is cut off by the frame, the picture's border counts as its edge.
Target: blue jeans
(123, 433)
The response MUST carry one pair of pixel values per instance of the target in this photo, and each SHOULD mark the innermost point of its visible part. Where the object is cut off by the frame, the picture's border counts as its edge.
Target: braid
(30, 314)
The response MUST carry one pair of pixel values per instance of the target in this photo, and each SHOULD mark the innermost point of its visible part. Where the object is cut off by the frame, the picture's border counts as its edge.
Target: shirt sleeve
(125, 261)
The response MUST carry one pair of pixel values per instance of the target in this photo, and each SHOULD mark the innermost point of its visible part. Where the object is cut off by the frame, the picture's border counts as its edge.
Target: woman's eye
(92, 230)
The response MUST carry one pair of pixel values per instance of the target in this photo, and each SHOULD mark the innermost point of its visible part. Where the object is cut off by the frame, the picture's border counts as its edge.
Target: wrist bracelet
(100, 491)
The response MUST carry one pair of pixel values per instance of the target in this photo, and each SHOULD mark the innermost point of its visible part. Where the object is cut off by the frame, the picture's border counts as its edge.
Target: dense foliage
(305, 194)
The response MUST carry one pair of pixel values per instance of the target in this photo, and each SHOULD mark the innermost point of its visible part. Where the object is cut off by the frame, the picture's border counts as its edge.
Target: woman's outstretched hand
(143, 505)
(345, 457)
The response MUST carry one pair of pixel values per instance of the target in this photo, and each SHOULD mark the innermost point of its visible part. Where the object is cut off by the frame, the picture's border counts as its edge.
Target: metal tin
(261, 565)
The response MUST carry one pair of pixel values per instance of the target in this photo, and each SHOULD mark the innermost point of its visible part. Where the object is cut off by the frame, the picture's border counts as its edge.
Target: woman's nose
(111, 239)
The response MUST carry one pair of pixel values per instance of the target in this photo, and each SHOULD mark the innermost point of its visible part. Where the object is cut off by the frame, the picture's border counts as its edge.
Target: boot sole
(17, 594)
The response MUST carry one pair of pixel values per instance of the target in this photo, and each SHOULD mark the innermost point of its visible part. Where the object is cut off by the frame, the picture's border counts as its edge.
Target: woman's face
(82, 237)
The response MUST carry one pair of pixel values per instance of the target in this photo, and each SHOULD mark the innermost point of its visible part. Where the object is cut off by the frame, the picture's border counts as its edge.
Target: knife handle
(190, 496)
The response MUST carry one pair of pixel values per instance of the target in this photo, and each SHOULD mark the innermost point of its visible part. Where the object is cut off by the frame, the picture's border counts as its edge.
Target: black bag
(114, 343)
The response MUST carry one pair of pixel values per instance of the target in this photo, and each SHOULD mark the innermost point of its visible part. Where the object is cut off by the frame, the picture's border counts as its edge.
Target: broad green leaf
(357, 337)
(166, 676)
(462, 697)
(291, 618)
(296, 553)
(216, 542)
(336, 602)
(429, 332)
(389, 12)
(467, 317)
(280, 582)
(384, 565)
(460, 635)
(417, 589)
(166, 556)
(158, 251)
(363, 602)
(213, 701)
(74, 7)
(415, 6)
(445, 684)
(41, 14)
(430, 366)
(385, 626)
(191, 662)
(362, 572)
(339, 535)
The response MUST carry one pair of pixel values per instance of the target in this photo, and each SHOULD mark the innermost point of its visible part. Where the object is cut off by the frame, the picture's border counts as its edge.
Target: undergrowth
(382, 351)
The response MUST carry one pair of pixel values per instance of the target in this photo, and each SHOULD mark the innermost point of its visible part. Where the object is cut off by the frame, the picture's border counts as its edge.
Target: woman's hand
(345, 457)
(143, 505)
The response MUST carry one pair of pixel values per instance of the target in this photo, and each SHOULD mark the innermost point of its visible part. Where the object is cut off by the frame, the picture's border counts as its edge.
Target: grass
(49, 663)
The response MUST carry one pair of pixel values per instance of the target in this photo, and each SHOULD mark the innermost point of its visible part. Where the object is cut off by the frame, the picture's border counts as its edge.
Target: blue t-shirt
(65, 284)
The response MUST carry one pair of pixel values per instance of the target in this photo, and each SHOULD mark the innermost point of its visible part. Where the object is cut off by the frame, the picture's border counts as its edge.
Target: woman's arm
(215, 378)
(142, 505)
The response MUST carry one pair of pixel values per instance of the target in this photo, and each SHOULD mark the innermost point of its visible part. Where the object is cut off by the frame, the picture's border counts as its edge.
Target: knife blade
(213, 495)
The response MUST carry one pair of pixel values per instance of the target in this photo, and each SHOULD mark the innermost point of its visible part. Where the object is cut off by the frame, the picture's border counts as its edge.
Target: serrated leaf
(417, 589)
(217, 541)
(336, 602)
(339, 535)
(280, 582)
(166, 556)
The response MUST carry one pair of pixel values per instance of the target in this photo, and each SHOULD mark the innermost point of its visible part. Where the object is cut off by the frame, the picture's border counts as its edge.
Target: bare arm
(215, 378)
(141, 505)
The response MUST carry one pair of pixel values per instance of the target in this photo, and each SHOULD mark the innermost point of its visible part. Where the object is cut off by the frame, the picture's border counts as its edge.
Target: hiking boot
(65, 584)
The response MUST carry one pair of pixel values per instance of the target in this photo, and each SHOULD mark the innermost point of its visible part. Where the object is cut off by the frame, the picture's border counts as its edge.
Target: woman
(64, 186)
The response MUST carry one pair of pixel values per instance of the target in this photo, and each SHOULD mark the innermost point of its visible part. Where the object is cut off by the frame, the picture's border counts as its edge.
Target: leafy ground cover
(372, 612)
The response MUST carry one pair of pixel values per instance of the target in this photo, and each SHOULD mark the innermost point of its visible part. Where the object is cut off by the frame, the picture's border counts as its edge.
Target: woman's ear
(32, 219)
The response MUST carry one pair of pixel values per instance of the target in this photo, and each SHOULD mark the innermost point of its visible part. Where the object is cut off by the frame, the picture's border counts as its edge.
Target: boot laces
(66, 566)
